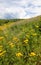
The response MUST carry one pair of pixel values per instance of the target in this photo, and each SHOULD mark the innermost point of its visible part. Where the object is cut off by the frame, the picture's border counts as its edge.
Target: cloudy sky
(19, 8)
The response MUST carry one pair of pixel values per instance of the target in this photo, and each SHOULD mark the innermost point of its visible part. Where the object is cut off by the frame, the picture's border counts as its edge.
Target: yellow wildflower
(0, 50)
(37, 26)
(26, 41)
(1, 46)
(34, 34)
(2, 53)
(27, 35)
(19, 54)
(0, 29)
(32, 54)
(16, 39)
(11, 44)
(1, 38)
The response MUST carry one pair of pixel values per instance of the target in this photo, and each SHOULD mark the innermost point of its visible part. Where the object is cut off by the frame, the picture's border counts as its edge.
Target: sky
(19, 9)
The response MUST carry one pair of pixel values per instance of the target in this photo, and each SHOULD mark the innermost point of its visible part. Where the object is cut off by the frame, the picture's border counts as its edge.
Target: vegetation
(5, 21)
(20, 42)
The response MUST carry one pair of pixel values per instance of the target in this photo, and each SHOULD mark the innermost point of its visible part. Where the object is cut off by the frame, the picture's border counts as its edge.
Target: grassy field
(20, 42)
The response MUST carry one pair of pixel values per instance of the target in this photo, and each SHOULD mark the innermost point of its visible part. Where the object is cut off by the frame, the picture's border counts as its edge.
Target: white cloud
(20, 8)
(37, 2)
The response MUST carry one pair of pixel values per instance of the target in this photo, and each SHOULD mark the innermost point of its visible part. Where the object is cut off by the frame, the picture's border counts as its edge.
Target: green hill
(20, 41)
(3, 21)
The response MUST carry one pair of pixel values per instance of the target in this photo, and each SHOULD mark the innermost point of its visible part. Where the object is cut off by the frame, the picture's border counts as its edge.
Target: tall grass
(21, 44)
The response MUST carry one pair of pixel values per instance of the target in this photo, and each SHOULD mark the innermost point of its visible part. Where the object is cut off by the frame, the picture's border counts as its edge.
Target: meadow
(20, 42)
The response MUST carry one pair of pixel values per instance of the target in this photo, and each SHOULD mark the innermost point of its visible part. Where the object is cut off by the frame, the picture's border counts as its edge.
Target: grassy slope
(22, 36)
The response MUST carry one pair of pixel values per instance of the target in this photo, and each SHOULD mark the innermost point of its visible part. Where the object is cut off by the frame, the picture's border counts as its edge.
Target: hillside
(20, 41)
(3, 21)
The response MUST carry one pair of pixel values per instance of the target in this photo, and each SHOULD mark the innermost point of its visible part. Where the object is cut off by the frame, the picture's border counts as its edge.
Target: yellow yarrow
(1, 38)
(11, 44)
(1, 48)
(2, 53)
(37, 26)
(15, 39)
(19, 54)
(32, 54)
(34, 34)
(26, 41)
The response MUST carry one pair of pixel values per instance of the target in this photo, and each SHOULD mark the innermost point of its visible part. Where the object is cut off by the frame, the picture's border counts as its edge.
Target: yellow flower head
(37, 26)
(16, 39)
(34, 34)
(1, 48)
(32, 54)
(1, 38)
(2, 53)
(26, 41)
(12, 45)
(19, 54)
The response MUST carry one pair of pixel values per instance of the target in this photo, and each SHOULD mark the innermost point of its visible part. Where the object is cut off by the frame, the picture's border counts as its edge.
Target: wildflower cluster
(2, 52)
(32, 54)
(20, 44)
(19, 54)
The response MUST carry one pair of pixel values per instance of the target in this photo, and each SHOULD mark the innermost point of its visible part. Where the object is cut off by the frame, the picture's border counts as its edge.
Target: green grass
(19, 40)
